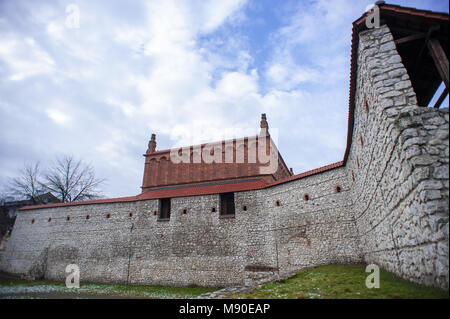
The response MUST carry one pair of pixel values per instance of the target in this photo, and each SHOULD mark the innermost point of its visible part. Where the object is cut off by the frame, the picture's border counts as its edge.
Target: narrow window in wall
(49, 219)
(353, 176)
(130, 215)
(108, 215)
(184, 211)
(227, 204)
(244, 208)
(88, 216)
(277, 203)
(338, 189)
(32, 221)
(366, 107)
(213, 210)
(306, 197)
(68, 218)
(164, 208)
(361, 140)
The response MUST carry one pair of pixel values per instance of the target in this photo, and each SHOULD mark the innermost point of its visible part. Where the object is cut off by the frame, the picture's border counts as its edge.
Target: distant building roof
(43, 199)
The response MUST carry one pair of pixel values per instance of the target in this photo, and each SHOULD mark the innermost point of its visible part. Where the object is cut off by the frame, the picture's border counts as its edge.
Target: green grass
(342, 282)
(330, 282)
(44, 289)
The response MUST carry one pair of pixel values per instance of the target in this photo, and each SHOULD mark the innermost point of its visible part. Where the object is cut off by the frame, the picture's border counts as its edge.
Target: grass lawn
(13, 288)
(330, 282)
(342, 282)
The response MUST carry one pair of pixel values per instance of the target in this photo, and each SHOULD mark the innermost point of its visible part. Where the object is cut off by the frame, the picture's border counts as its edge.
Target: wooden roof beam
(409, 38)
(422, 50)
(440, 59)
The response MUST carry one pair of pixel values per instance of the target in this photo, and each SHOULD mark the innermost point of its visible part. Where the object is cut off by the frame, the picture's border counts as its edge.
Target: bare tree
(72, 180)
(28, 185)
(3, 197)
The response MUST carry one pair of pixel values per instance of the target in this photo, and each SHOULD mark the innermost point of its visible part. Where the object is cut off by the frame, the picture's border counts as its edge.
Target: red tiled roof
(308, 173)
(196, 190)
(87, 202)
(412, 11)
(246, 185)
(169, 192)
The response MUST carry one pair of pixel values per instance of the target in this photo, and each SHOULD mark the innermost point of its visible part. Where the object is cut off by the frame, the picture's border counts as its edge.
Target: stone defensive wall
(274, 232)
(399, 161)
(386, 203)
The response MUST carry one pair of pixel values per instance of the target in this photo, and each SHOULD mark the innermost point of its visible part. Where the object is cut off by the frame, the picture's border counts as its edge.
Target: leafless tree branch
(73, 180)
(28, 184)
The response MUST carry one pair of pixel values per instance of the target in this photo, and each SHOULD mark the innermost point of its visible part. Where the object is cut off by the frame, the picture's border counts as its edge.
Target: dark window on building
(338, 189)
(306, 197)
(227, 204)
(213, 210)
(164, 208)
(244, 208)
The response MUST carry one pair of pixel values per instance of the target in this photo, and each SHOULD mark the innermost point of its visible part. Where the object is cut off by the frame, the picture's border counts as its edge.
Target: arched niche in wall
(153, 172)
(166, 174)
(240, 153)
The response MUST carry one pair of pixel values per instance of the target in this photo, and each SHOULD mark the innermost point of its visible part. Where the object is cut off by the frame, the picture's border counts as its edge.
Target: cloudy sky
(189, 71)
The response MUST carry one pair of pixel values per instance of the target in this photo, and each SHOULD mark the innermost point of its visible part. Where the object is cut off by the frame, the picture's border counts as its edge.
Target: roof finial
(263, 124)
(152, 144)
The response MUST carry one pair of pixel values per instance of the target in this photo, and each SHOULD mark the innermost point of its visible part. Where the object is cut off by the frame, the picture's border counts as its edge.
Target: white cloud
(126, 107)
(214, 13)
(178, 88)
(55, 30)
(238, 84)
(186, 70)
(24, 57)
(286, 76)
(58, 116)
